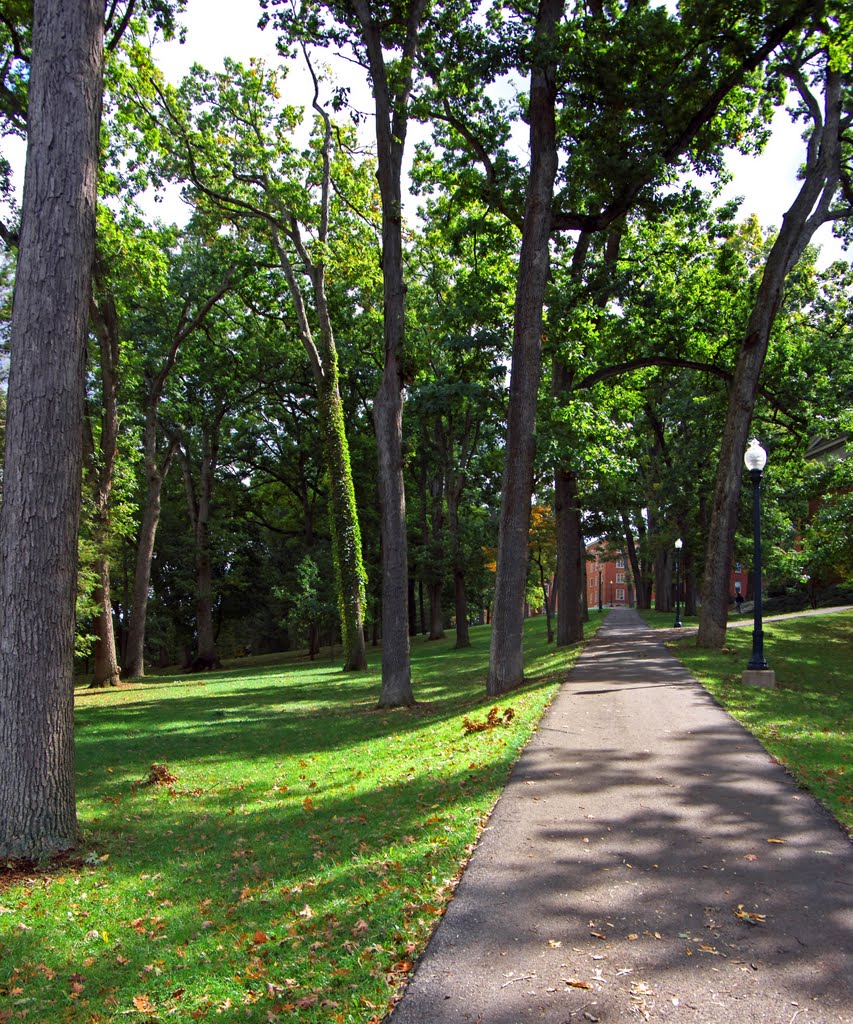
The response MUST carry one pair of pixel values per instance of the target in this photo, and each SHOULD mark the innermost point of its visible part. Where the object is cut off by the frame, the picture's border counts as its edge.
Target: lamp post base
(765, 677)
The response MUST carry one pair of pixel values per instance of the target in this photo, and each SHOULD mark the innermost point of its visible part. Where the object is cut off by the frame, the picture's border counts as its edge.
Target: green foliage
(309, 610)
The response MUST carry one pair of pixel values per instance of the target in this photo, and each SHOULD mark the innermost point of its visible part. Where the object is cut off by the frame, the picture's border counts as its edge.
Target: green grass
(296, 864)
(807, 723)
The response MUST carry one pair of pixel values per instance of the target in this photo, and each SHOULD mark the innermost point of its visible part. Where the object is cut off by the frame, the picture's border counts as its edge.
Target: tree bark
(100, 474)
(198, 505)
(42, 475)
(392, 111)
(642, 590)
(570, 558)
(155, 473)
(460, 594)
(809, 210)
(506, 661)
(106, 660)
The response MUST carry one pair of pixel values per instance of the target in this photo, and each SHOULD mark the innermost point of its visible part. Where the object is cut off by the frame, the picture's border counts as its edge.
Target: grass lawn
(294, 856)
(807, 723)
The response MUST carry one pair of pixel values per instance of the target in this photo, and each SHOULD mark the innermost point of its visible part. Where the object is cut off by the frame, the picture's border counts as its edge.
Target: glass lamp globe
(755, 457)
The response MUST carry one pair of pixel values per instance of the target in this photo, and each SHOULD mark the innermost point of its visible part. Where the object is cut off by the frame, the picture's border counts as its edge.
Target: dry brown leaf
(574, 983)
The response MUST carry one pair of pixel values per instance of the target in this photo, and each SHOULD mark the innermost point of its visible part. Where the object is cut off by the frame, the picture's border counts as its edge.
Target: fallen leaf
(554, 943)
(573, 983)
(633, 937)
(260, 937)
(598, 935)
(776, 841)
(749, 916)
(143, 1004)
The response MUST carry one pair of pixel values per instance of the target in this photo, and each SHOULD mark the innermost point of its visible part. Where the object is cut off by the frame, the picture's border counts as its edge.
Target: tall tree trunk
(570, 559)
(391, 100)
(106, 661)
(346, 532)
(350, 575)
(642, 589)
(155, 474)
(809, 210)
(437, 557)
(506, 661)
(42, 472)
(198, 506)
(100, 473)
(460, 595)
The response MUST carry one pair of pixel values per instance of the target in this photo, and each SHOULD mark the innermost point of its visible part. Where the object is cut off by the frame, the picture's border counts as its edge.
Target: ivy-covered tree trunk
(809, 210)
(346, 533)
(506, 663)
(42, 471)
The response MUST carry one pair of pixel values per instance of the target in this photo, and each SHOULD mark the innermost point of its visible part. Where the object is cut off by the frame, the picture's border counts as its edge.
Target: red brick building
(608, 578)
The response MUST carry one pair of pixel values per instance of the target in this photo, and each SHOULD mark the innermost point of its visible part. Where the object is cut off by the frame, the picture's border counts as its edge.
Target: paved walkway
(641, 832)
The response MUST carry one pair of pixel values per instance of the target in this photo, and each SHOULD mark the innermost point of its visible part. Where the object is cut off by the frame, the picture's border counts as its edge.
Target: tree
(39, 518)
(386, 37)
(829, 136)
(179, 308)
(506, 664)
(701, 90)
(226, 137)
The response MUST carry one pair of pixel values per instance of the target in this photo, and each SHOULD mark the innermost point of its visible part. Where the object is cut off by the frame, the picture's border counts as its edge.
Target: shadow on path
(647, 861)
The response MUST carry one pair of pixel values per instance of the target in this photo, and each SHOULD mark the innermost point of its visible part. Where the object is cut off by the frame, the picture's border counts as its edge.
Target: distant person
(738, 600)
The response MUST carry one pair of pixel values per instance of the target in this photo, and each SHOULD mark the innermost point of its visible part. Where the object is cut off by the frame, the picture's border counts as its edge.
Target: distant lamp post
(757, 671)
(678, 546)
(600, 606)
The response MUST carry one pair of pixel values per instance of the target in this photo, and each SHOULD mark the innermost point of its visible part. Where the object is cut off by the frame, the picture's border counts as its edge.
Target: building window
(620, 577)
(620, 563)
(620, 595)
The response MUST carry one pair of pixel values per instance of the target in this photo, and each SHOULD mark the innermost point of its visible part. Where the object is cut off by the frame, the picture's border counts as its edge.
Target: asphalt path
(648, 860)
